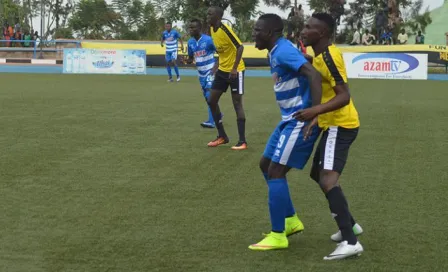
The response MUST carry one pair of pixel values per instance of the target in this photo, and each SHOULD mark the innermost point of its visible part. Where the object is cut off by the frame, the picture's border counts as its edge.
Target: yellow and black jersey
(331, 66)
(227, 44)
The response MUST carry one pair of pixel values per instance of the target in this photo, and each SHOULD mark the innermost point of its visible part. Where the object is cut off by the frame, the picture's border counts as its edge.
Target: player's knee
(264, 164)
(328, 180)
(276, 171)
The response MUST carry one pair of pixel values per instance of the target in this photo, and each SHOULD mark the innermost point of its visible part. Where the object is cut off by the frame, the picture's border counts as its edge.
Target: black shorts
(332, 150)
(222, 82)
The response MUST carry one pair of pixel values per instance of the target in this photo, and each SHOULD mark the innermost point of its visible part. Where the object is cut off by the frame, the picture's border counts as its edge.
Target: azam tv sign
(386, 65)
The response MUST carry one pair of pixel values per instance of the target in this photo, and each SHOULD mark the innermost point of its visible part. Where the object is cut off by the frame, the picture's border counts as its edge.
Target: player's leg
(334, 148)
(288, 151)
(210, 123)
(315, 175)
(168, 66)
(219, 86)
(237, 87)
(293, 225)
(176, 68)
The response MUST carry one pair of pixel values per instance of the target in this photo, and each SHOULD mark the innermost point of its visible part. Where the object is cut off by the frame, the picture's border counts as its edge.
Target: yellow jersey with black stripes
(227, 44)
(331, 66)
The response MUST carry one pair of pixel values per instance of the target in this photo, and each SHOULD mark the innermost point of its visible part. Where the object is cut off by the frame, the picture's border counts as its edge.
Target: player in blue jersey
(297, 86)
(171, 37)
(202, 50)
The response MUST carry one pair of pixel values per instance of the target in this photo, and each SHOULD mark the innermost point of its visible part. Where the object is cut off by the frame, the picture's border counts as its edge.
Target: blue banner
(104, 61)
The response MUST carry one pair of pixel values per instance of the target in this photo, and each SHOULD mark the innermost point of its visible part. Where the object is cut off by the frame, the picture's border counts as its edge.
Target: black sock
(241, 129)
(352, 220)
(218, 123)
(339, 209)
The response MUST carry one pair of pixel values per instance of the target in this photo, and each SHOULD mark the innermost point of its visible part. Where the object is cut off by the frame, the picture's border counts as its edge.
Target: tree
(94, 19)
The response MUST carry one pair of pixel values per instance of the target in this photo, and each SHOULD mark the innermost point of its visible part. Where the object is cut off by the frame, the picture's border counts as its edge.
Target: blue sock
(290, 211)
(278, 200)
(210, 116)
(168, 69)
(176, 69)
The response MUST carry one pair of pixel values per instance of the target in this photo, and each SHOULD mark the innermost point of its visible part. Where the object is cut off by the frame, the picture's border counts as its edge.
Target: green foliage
(95, 19)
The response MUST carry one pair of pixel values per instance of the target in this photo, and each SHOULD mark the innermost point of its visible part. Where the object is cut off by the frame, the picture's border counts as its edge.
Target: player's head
(195, 27)
(214, 15)
(319, 26)
(267, 29)
(168, 26)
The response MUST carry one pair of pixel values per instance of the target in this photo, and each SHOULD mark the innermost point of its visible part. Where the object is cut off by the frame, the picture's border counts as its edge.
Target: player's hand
(306, 114)
(182, 49)
(308, 58)
(308, 129)
(161, 45)
(233, 74)
(214, 70)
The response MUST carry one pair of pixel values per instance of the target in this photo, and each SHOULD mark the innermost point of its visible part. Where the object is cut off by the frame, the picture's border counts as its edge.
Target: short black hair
(219, 11)
(274, 22)
(197, 21)
(168, 23)
(327, 19)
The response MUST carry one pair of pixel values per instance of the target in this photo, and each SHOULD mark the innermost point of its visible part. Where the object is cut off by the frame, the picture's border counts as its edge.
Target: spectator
(419, 39)
(402, 37)
(367, 38)
(386, 37)
(356, 38)
(300, 12)
(27, 38)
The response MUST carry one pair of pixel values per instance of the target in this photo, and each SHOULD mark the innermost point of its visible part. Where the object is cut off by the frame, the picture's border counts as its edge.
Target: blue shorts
(206, 82)
(171, 56)
(287, 147)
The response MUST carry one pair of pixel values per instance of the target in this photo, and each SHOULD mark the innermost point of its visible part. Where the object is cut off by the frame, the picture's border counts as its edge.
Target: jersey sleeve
(177, 35)
(337, 75)
(163, 36)
(233, 38)
(292, 60)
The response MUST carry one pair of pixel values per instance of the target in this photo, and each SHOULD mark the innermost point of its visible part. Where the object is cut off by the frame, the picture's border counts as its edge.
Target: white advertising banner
(104, 61)
(386, 65)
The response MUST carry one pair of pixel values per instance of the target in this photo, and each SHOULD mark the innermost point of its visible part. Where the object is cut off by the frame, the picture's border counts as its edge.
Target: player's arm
(216, 66)
(235, 41)
(161, 40)
(338, 79)
(315, 81)
(181, 42)
(190, 58)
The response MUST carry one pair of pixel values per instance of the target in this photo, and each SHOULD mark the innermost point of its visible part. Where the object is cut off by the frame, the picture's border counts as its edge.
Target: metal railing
(35, 46)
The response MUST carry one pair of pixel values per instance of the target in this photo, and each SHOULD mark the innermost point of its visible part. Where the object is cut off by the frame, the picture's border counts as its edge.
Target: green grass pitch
(112, 173)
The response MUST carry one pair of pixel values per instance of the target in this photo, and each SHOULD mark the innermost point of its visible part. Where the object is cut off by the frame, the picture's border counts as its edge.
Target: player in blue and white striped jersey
(202, 50)
(297, 86)
(171, 37)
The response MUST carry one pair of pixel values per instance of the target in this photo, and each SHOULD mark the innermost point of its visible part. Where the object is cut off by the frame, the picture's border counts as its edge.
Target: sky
(432, 4)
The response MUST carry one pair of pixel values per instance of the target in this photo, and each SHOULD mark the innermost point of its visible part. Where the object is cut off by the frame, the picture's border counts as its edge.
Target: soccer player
(297, 85)
(202, 50)
(170, 36)
(230, 72)
(338, 118)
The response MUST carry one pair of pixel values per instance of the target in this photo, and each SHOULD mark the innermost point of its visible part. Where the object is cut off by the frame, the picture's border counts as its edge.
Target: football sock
(340, 212)
(352, 220)
(168, 69)
(219, 125)
(242, 129)
(176, 69)
(290, 211)
(278, 200)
